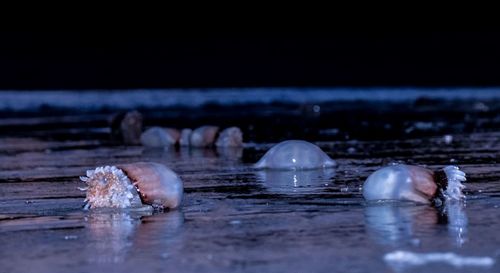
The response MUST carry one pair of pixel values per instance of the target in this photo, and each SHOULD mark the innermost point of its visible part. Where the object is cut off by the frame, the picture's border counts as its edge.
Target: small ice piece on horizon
(402, 258)
(160, 137)
(295, 154)
(185, 136)
(329, 132)
(448, 139)
(203, 136)
(481, 107)
(420, 125)
(230, 137)
(127, 127)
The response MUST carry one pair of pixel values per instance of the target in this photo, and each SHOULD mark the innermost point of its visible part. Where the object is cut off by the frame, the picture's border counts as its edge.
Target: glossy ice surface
(230, 137)
(238, 219)
(391, 182)
(295, 154)
(159, 137)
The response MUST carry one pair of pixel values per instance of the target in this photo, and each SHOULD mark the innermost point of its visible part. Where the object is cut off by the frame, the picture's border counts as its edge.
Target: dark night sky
(57, 60)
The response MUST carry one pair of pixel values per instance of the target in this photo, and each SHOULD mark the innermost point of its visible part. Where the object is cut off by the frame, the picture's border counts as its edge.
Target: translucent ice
(414, 183)
(295, 154)
(230, 137)
(159, 137)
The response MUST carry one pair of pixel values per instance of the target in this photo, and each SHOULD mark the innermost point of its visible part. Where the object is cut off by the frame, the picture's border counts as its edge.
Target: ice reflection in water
(399, 223)
(109, 235)
(232, 153)
(114, 236)
(159, 234)
(457, 221)
(300, 181)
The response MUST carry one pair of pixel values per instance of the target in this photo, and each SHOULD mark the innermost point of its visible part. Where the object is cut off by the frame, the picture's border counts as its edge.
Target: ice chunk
(295, 154)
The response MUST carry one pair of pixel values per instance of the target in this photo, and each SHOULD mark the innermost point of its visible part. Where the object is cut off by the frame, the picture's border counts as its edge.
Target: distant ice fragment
(481, 107)
(185, 137)
(160, 137)
(448, 139)
(127, 127)
(230, 137)
(203, 136)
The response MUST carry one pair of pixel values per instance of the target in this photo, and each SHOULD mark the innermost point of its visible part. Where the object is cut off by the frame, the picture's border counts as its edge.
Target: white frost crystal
(455, 178)
(108, 186)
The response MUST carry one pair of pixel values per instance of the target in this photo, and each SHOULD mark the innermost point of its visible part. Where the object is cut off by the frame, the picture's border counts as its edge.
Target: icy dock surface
(238, 219)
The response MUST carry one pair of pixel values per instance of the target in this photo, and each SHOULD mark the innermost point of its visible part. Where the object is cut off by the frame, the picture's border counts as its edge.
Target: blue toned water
(158, 98)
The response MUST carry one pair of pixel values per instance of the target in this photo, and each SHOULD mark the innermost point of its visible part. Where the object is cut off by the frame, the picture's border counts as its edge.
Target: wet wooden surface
(235, 218)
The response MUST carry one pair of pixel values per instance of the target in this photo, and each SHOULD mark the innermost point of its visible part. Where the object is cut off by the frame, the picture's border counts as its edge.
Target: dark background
(109, 60)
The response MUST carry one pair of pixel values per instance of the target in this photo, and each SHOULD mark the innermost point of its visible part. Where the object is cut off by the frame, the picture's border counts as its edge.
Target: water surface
(238, 219)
